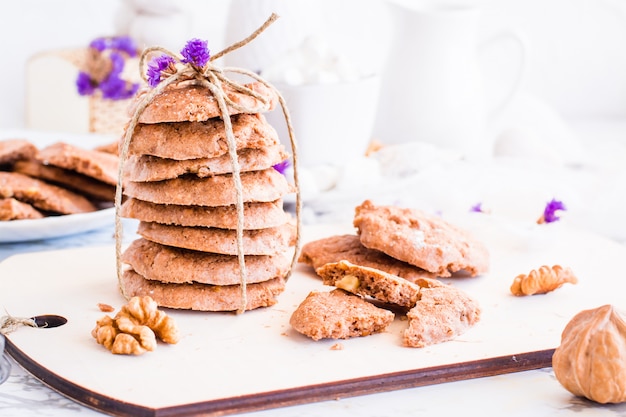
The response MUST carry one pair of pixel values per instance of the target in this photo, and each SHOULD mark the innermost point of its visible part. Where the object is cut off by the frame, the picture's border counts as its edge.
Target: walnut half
(591, 360)
(135, 328)
(542, 280)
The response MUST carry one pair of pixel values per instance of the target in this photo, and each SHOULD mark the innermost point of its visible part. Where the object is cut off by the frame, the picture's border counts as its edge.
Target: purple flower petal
(549, 213)
(118, 63)
(196, 53)
(85, 84)
(282, 166)
(156, 66)
(124, 44)
(115, 88)
(477, 208)
(99, 43)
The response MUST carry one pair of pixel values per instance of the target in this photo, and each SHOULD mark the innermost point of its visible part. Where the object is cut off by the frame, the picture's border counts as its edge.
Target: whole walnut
(591, 360)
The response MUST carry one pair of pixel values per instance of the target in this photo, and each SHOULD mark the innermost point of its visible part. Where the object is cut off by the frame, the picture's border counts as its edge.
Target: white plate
(55, 226)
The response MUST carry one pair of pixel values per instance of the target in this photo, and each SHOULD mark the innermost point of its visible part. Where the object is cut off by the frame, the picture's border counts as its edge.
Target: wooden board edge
(292, 396)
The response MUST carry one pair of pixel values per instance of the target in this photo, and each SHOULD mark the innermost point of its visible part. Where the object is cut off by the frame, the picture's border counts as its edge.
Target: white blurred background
(577, 62)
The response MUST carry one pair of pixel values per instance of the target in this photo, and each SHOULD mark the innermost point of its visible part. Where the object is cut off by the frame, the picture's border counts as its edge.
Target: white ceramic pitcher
(432, 86)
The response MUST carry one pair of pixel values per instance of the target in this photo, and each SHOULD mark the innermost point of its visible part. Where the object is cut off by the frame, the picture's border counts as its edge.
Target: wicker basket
(107, 116)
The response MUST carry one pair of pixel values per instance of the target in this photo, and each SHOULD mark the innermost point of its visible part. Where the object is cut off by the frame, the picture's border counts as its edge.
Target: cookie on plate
(256, 215)
(426, 241)
(12, 209)
(111, 147)
(176, 265)
(101, 166)
(349, 248)
(72, 180)
(338, 315)
(12, 150)
(195, 103)
(202, 297)
(192, 140)
(44, 196)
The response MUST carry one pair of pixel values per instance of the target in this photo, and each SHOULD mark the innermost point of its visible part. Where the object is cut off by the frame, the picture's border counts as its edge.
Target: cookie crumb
(337, 346)
(105, 308)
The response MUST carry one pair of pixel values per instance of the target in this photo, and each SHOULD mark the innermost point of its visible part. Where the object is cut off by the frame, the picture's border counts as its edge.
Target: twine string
(216, 89)
(9, 324)
(214, 80)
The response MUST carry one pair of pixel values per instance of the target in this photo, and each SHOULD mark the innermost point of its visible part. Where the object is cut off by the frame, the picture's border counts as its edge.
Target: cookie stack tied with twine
(197, 165)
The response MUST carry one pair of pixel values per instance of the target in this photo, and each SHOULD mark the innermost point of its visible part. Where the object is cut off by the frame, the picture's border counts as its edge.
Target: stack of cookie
(179, 183)
(58, 179)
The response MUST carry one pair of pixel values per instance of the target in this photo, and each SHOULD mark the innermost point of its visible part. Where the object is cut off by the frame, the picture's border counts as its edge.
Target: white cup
(332, 122)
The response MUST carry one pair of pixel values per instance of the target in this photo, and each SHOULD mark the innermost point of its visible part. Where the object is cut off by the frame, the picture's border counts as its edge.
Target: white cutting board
(226, 363)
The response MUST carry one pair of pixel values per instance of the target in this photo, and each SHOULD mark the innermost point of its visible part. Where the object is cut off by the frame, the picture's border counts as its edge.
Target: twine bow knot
(214, 79)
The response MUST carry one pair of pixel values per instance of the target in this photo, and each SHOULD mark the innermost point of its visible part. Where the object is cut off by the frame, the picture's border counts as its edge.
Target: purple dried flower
(99, 43)
(196, 53)
(477, 208)
(282, 166)
(549, 213)
(156, 66)
(85, 84)
(118, 43)
(124, 44)
(117, 61)
(115, 88)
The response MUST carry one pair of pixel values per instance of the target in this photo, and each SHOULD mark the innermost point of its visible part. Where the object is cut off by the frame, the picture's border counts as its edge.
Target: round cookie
(147, 168)
(348, 247)
(178, 266)
(412, 236)
(11, 209)
(208, 239)
(200, 296)
(44, 196)
(192, 140)
(101, 166)
(65, 178)
(195, 103)
(258, 186)
(256, 215)
(12, 150)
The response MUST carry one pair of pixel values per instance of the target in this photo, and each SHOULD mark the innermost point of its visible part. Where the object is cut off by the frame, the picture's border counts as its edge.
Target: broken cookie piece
(370, 282)
(338, 315)
(441, 314)
(437, 312)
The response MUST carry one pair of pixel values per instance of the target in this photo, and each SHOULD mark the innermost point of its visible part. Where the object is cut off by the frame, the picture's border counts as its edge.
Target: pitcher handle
(520, 40)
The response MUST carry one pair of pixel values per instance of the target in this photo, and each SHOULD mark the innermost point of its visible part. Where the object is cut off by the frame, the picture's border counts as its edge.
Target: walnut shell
(591, 360)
